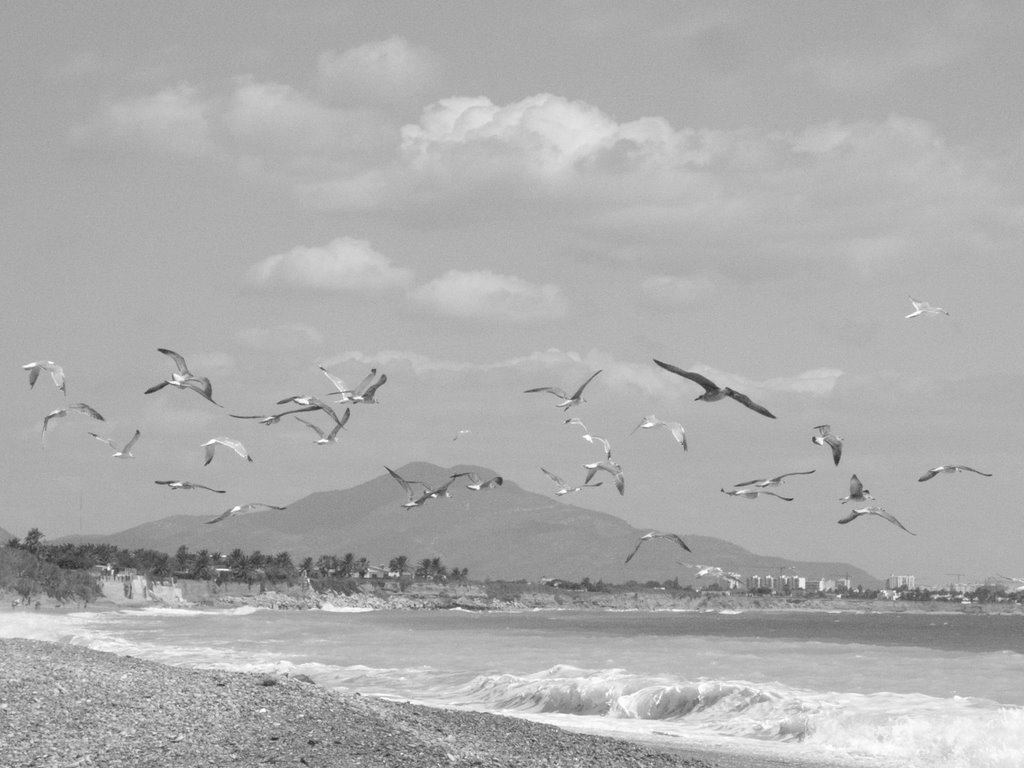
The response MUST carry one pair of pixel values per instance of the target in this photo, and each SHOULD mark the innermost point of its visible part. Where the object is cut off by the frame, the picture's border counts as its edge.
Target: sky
(482, 198)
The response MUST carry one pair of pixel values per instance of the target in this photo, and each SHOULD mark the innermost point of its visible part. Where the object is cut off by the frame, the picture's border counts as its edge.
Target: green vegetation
(27, 575)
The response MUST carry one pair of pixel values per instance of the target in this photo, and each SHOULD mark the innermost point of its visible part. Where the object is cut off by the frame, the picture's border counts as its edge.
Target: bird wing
(971, 469)
(33, 373)
(235, 446)
(929, 474)
(748, 482)
(178, 361)
(620, 482)
(401, 481)
(102, 439)
(773, 493)
(554, 477)
(579, 391)
(836, 444)
(85, 410)
(311, 425)
(856, 486)
(133, 441)
(361, 387)
(607, 445)
(805, 472)
(854, 514)
(222, 516)
(338, 383)
(557, 391)
(636, 548)
(891, 518)
(677, 432)
(705, 382)
(372, 390)
(739, 397)
(678, 540)
(209, 449)
(494, 482)
(202, 385)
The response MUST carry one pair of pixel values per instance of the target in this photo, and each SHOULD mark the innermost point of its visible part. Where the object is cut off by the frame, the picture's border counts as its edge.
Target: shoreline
(65, 705)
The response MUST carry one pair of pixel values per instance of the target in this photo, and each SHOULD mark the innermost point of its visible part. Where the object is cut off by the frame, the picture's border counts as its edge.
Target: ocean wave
(908, 729)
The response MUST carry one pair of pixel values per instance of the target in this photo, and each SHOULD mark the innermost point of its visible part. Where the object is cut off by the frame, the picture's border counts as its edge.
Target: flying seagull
(924, 308)
(345, 392)
(227, 442)
(564, 487)
(185, 485)
(367, 396)
(647, 422)
(713, 392)
(56, 373)
(854, 514)
(184, 378)
(716, 572)
(60, 413)
(414, 500)
(949, 468)
(332, 436)
(241, 509)
(568, 401)
(609, 466)
(273, 418)
(825, 437)
(751, 493)
(119, 453)
(771, 482)
(657, 535)
(475, 484)
(857, 491)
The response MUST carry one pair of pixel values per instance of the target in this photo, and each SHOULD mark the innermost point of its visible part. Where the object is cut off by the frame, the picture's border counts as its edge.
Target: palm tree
(325, 564)
(398, 565)
(361, 566)
(201, 565)
(347, 565)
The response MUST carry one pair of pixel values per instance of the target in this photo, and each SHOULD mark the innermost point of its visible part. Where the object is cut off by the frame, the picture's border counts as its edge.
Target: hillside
(505, 533)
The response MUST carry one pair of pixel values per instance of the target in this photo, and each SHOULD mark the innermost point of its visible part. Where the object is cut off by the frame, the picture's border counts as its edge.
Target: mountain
(505, 533)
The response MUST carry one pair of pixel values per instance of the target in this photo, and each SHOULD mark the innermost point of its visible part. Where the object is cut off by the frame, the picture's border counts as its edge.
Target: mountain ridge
(506, 533)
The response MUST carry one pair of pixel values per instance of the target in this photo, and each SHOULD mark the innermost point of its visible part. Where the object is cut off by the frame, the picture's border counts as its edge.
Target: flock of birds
(183, 378)
(419, 492)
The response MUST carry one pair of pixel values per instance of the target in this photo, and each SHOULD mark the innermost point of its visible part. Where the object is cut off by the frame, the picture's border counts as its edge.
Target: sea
(844, 689)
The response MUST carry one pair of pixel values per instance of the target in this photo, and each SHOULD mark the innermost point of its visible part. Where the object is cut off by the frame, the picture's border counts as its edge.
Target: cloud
(817, 382)
(172, 120)
(390, 71)
(287, 336)
(485, 294)
(344, 264)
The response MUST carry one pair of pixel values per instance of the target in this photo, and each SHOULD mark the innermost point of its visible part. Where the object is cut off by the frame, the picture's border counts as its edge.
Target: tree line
(236, 565)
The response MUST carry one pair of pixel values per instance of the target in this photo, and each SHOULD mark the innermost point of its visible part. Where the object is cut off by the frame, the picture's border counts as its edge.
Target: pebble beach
(63, 706)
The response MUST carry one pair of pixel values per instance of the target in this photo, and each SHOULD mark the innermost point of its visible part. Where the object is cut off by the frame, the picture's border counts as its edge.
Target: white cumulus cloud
(389, 70)
(485, 294)
(344, 264)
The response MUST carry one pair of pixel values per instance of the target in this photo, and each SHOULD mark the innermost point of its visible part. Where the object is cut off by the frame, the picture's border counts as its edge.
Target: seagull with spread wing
(124, 452)
(568, 401)
(564, 487)
(674, 427)
(227, 442)
(658, 535)
(857, 491)
(185, 485)
(877, 511)
(407, 486)
(242, 509)
(949, 468)
(183, 378)
(332, 436)
(56, 373)
(753, 493)
(825, 437)
(60, 413)
(476, 484)
(713, 392)
(771, 482)
(924, 308)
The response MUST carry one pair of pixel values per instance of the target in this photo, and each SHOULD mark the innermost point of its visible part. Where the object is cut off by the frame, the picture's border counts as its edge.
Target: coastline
(64, 705)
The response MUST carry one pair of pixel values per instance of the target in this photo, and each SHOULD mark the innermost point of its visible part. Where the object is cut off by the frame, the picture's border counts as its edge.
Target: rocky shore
(63, 706)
